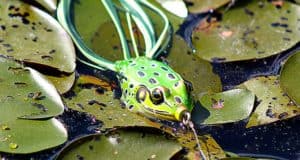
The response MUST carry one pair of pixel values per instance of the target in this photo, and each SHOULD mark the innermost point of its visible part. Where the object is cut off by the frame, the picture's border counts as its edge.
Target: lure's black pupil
(157, 96)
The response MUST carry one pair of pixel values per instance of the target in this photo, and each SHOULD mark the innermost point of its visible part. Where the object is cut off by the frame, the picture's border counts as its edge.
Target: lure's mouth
(182, 114)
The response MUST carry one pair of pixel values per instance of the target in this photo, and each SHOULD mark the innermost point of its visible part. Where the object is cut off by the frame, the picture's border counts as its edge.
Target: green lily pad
(224, 107)
(120, 145)
(273, 105)
(197, 71)
(100, 103)
(198, 6)
(50, 5)
(260, 30)
(25, 93)
(28, 136)
(62, 83)
(30, 35)
(289, 77)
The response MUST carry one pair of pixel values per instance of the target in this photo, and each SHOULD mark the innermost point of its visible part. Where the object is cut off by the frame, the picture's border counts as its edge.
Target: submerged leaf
(224, 107)
(289, 77)
(32, 36)
(121, 145)
(25, 93)
(273, 105)
(96, 100)
(261, 29)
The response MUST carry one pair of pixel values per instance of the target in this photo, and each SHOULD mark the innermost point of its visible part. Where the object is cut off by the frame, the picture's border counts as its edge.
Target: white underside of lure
(176, 7)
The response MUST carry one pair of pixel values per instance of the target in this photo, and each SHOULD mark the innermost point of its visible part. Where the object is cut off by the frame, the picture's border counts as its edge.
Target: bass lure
(149, 87)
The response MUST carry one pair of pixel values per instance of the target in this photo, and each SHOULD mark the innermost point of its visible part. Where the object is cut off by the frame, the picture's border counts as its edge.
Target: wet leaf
(198, 72)
(50, 5)
(120, 145)
(261, 30)
(198, 6)
(27, 136)
(25, 93)
(273, 105)
(31, 35)
(224, 107)
(95, 100)
(62, 83)
(289, 77)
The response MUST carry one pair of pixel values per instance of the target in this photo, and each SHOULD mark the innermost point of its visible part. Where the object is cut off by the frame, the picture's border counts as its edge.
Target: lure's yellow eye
(157, 96)
(141, 94)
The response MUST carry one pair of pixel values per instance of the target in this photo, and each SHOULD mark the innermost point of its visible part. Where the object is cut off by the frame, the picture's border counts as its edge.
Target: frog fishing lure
(149, 87)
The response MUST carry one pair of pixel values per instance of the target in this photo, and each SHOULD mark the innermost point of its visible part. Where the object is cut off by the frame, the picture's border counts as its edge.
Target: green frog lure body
(149, 87)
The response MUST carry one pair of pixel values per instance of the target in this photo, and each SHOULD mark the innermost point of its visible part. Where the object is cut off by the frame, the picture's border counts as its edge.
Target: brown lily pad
(274, 104)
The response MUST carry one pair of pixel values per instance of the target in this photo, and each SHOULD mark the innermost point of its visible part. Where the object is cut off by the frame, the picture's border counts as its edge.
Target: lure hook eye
(186, 118)
(157, 96)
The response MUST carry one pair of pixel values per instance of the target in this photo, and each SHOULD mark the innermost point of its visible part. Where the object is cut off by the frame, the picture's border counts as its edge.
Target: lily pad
(50, 5)
(30, 35)
(62, 83)
(198, 6)
(28, 136)
(289, 77)
(120, 145)
(94, 99)
(261, 29)
(25, 93)
(190, 67)
(224, 107)
(274, 104)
